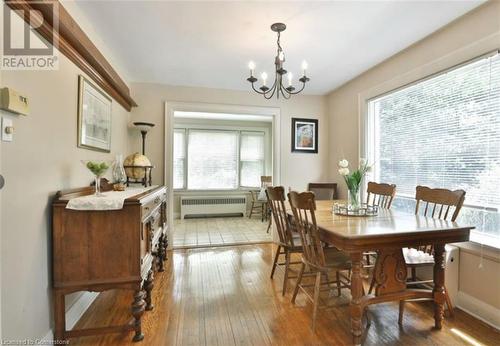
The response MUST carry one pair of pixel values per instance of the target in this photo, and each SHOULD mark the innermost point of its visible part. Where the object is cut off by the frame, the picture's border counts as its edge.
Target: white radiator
(213, 205)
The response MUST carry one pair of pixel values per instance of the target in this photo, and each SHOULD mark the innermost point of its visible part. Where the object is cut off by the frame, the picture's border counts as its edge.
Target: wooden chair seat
(334, 260)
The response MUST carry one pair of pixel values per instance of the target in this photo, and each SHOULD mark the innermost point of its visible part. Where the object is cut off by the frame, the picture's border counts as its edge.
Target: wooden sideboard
(111, 249)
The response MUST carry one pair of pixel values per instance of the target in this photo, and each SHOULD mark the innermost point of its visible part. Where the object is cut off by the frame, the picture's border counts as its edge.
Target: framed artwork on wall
(94, 117)
(304, 135)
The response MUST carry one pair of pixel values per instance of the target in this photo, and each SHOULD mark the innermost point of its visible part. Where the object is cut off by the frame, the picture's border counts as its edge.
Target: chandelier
(278, 87)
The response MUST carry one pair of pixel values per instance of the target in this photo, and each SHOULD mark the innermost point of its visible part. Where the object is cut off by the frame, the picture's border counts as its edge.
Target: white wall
(152, 97)
(42, 159)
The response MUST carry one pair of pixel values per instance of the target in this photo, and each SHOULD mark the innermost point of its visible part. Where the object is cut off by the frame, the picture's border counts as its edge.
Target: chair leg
(287, 266)
(448, 303)
(316, 299)
(372, 284)
(339, 292)
(268, 225)
(299, 279)
(251, 210)
(401, 312)
(275, 263)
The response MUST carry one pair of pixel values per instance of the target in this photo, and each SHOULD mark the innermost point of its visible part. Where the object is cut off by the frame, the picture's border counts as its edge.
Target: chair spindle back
(437, 201)
(276, 200)
(380, 195)
(303, 207)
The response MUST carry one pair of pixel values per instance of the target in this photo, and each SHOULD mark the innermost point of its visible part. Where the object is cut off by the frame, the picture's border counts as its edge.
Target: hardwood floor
(223, 296)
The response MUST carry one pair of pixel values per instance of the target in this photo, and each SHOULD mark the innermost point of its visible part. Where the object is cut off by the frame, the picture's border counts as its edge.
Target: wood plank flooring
(223, 296)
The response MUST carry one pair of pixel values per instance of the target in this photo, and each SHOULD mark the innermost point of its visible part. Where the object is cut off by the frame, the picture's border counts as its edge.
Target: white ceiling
(209, 44)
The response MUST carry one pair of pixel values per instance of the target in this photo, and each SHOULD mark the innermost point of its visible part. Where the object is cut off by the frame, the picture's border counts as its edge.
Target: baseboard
(479, 309)
(75, 312)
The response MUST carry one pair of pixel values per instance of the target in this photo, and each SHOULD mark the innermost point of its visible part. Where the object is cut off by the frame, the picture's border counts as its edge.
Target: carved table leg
(438, 292)
(59, 316)
(356, 294)
(148, 287)
(138, 307)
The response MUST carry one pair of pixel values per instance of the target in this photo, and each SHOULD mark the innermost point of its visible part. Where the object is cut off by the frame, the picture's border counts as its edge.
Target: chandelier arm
(257, 91)
(272, 90)
(296, 92)
(285, 93)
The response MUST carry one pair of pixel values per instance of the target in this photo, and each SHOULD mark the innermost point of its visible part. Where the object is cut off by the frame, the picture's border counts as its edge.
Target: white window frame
(239, 129)
(366, 147)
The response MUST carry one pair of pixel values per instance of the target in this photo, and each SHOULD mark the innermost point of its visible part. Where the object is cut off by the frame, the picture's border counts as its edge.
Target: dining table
(387, 233)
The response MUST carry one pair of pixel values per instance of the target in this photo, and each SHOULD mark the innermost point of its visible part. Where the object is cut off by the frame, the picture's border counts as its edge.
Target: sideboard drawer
(150, 206)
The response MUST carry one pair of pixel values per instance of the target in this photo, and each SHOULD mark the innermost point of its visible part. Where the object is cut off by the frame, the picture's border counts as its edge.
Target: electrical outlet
(7, 130)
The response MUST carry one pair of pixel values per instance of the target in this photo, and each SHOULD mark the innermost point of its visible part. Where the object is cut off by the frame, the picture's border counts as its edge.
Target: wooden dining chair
(256, 206)
(288, 242)
(440, 204)
(319, 260)
(323, 191)
(265, 181)
(381, 195)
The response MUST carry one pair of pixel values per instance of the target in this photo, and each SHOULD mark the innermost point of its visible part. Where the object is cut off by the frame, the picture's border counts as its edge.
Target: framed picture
(94, 117)
(304, 135)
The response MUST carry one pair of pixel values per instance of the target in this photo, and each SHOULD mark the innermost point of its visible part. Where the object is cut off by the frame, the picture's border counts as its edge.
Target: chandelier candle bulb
(251, 66)
(290, 76)
(304, 67)
(264, 78)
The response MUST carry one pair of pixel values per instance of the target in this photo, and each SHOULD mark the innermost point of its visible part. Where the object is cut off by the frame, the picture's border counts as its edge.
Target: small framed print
(304, 135)
(94, 117)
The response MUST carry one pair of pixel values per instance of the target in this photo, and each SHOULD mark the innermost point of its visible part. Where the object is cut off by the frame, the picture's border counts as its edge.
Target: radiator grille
(214, 201)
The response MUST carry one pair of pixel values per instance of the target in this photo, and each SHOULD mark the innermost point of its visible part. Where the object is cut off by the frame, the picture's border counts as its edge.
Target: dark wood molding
(72, 41)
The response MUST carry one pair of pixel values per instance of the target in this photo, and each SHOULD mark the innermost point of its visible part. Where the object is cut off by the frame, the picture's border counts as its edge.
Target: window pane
(444, 132)
(212, 159)
(179, 158)
(252, 158)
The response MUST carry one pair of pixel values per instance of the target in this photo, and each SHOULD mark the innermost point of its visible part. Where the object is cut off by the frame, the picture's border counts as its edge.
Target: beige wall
(472, 35)
(42, 159)
(151, 99)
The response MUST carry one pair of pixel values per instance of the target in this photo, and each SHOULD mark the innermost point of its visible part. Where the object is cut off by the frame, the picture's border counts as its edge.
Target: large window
(251, 158)
(443, 131)
(207, 159)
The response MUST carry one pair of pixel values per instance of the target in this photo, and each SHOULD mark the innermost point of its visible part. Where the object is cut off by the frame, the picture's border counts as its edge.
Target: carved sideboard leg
(138, 307)
(148, 287)
(59, 315)
(356, 294)
(438, 292)
(161, 253)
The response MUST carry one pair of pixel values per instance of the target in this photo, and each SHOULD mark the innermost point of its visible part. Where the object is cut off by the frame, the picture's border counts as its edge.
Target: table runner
(111, 200)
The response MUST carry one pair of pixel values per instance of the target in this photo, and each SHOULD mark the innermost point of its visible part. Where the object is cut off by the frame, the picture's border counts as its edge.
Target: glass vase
(353, 199)
(119, 175)
(98, 186)
(98, 169)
